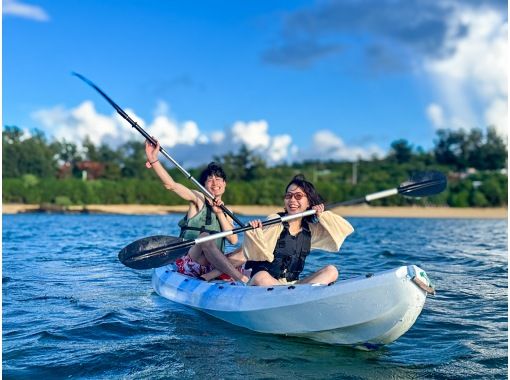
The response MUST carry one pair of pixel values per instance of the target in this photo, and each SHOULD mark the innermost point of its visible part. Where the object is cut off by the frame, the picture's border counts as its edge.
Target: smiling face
(296, 200)
(215, 185)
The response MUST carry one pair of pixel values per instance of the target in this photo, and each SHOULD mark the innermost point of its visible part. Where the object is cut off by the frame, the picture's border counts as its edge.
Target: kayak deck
(366, 311)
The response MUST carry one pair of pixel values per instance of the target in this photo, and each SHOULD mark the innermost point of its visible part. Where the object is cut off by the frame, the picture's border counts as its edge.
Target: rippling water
(71, 310)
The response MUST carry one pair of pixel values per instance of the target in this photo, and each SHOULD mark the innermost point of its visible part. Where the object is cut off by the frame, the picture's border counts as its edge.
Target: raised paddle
(135, 125)
(156, 251)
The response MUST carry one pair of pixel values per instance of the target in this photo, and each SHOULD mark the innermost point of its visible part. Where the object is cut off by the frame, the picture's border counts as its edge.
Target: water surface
(71, 310)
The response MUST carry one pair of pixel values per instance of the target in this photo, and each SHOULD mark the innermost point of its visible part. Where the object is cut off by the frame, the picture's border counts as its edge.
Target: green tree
(133, 159)
(245, 165)
(401, 151)
(463, 149)
(448, 148)
(27, 154)
(494, 151)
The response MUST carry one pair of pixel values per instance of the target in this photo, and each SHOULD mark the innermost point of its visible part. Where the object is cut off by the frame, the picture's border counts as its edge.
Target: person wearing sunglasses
(276, 254)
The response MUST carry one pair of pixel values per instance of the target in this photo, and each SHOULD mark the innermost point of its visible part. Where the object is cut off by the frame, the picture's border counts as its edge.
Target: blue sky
(290, 79)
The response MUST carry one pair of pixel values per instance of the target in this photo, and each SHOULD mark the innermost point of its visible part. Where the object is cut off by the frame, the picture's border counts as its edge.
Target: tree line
(36, 170)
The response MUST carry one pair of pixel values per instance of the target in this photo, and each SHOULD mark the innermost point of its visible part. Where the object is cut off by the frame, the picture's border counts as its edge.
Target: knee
(331, 272)
(262, 278)
(203, 234)
(208, 243)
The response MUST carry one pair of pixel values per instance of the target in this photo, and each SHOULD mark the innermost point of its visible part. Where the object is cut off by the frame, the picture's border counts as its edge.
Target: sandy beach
(356, 211)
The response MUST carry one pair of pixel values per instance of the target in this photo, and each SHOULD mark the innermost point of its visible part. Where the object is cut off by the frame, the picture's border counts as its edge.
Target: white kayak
(365, 312)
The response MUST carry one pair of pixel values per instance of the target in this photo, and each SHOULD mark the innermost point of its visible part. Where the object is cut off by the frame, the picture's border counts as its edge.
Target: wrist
(149, 163)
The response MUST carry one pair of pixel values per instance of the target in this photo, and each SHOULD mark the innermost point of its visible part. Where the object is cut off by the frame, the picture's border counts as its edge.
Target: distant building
(90, 169)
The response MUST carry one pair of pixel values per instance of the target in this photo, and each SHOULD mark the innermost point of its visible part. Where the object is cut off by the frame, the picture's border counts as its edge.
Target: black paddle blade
(423, 184)
(151, 252)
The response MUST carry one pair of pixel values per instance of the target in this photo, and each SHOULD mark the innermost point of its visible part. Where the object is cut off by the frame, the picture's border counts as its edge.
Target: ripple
(70, 309)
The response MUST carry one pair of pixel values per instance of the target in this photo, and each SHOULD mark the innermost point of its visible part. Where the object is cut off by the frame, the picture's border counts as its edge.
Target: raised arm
(182, 191)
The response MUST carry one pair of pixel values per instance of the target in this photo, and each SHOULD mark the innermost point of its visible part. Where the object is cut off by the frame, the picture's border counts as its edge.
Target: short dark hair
(212, 169)
(313, 196)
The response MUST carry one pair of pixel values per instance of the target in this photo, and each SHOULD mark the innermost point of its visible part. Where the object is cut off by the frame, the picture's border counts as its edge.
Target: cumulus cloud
(84, 121)
(255, 135)
(184, 138)
(252, 134)
(19, 9)
(328, 146)
(474, 74)
(186, 143)
(279, 148)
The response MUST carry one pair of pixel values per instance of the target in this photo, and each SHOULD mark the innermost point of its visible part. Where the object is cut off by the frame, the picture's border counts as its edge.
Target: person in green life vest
(203, 217)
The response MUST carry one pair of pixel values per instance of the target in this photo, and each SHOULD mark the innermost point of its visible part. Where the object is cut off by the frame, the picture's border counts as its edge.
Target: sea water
(71, 310)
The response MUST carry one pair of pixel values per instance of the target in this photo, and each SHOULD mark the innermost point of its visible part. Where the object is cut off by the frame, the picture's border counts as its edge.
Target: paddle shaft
(367, 198)
(426, 184)
(432, 186)
(135, 125)
(219, 235)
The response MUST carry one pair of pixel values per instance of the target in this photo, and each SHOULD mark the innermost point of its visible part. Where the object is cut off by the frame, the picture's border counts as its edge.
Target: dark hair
(212, 169)
(313, 196)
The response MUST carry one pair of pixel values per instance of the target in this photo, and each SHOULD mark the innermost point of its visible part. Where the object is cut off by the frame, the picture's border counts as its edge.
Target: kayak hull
(366, 312)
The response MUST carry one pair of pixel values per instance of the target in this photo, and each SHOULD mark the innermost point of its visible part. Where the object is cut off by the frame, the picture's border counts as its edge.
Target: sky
(290, 79)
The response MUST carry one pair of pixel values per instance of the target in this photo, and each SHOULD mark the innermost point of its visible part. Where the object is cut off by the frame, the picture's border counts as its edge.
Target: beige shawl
(328, 235)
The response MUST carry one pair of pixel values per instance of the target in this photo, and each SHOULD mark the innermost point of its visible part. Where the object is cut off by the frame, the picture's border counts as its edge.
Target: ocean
(70, 309)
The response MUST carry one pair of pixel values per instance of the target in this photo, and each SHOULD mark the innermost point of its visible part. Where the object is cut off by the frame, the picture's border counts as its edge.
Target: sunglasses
(297, 196)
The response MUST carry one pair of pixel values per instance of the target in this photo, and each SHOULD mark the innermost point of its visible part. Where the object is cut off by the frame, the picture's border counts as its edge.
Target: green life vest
(204, 221)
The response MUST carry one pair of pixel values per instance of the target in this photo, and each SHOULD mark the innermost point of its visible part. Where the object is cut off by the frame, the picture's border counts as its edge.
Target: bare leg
(220, 261)
(263, 278)
(236, 258)
(323, 276)
(196, 254)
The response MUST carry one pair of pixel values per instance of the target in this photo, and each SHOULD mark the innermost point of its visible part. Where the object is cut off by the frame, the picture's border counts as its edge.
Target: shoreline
(254, 210)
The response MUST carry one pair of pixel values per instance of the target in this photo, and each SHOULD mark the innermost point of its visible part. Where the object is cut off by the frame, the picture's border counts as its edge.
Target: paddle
(421, 184)
(135, 125)
(156, 251)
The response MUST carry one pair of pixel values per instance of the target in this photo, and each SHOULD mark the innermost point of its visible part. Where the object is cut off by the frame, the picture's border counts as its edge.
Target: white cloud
(328, 146)
(77, 123)
(19, 9)
(186, 143)
(253, 134)
(217, 137)
(436, 115)
(189, 133)
(84, 121)
(497, 114)
(473, 74)
(279, 148)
